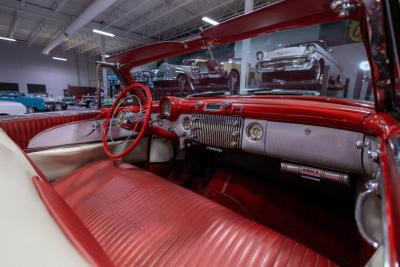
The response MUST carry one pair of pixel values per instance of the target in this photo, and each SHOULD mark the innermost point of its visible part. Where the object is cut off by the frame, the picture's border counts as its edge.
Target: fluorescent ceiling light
(106, 56)
(7, 39)
(364, 66)
(103, 33)
(211, 21)
(60, 58)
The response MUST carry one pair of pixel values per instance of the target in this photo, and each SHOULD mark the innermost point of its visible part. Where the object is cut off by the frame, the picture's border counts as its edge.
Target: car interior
(196, 200)
(211, 180)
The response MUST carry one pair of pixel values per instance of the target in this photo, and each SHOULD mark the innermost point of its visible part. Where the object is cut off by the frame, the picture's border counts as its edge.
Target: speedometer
(166, 109)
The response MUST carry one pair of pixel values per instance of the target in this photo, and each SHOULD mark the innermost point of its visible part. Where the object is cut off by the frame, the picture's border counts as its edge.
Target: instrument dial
(255, 131)
(166, 109)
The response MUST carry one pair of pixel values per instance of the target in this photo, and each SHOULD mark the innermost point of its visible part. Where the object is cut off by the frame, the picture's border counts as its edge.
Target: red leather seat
(140, 219)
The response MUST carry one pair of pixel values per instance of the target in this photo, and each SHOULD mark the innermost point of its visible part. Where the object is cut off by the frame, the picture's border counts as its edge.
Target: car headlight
(311, 49)
(260, 55)
(255, 131)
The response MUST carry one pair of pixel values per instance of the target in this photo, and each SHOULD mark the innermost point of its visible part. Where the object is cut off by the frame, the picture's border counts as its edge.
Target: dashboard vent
(217, 130)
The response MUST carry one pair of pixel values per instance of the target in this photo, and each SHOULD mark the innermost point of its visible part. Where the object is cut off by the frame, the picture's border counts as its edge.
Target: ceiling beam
(13, 25)
(58, 5)
(117, 16)
(90, 13)
(79, 40)
(235, 9)
(96, 45)
(154, 15)
(40, 26)
(89, 46)
(37, 29)
(63, 19)
(169, 26)
(122, 13)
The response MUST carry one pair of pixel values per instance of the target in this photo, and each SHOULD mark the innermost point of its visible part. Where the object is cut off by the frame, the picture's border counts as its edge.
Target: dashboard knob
(235, 134)
(226, 105)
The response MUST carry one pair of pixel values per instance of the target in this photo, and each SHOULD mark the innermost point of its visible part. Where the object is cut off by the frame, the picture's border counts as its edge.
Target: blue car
(32, 104)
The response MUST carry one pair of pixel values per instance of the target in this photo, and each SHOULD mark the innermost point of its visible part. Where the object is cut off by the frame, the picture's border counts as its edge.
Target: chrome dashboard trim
(319, 174)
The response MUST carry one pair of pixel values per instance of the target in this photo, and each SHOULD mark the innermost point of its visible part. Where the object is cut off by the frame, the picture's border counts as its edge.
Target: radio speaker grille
(217, 130)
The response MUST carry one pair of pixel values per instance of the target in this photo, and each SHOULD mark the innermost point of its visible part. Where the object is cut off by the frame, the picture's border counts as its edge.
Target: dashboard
(302, 138)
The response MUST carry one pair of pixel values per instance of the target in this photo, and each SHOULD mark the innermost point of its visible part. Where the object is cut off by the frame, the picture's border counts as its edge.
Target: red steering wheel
(134, 118)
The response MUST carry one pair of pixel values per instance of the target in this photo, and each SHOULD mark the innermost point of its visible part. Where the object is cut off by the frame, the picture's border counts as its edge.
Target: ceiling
(134, 22)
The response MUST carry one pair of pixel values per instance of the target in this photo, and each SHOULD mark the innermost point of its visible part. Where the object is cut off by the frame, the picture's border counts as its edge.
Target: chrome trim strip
(386, 252)
(37, 149)
(315, 174)
(378, 51)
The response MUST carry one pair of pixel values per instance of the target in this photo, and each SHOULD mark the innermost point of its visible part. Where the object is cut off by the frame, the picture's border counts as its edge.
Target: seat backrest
(29, 234)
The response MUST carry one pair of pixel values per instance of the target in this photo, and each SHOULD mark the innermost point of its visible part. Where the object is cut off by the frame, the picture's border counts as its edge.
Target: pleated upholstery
(141, 219)
(22, 130)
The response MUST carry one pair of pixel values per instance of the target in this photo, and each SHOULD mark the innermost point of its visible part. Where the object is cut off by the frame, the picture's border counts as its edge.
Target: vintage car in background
(251, 179)
(53, 103)
(197, 73)
(88, 101)
(306, 61)
(11, 108)
(32, 104)
(69, 100)
(146, 77)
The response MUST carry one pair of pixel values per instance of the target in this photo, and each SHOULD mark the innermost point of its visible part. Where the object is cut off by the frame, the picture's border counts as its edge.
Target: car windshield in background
(318, 60)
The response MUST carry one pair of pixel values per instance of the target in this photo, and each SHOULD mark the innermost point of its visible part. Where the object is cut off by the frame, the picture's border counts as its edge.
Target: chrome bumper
(301, 63)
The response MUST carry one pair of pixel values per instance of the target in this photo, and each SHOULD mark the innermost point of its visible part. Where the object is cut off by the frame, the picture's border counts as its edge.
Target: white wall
(349, 57)
(22, 64)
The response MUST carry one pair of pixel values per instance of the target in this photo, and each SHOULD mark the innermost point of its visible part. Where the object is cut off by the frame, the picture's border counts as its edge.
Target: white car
(12, 108)
(305, 61)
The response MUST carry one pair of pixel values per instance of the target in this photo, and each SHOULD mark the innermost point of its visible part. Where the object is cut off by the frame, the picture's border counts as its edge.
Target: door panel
(59, 162)
(59, 143)
(22, 129)
(75, 133)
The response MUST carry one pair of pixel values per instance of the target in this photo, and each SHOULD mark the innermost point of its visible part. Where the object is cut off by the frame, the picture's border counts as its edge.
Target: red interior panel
(21, 131)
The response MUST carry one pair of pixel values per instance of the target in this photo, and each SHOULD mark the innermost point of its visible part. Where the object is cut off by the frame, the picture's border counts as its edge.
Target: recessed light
(60, 58)
(211, 21)
(7, 39)
(103, 33)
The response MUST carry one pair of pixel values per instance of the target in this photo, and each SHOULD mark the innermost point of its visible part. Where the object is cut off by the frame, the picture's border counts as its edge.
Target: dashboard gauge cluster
(166, 108)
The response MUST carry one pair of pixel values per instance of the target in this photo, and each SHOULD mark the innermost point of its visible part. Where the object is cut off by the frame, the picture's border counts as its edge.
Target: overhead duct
(95, 9)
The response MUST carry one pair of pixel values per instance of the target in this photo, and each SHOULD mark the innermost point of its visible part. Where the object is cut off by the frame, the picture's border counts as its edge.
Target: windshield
(318, 60)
